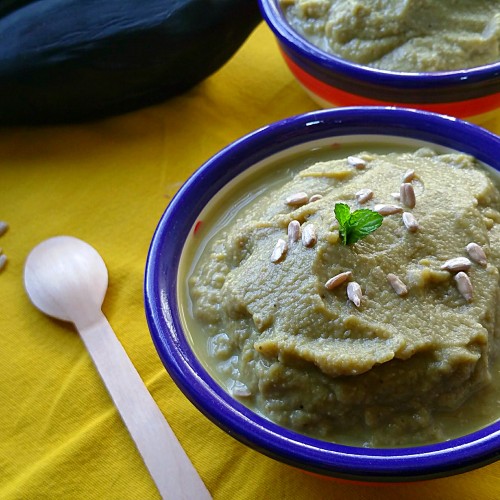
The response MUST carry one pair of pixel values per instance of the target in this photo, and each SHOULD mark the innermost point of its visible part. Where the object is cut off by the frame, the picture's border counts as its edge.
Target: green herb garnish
(356, 225)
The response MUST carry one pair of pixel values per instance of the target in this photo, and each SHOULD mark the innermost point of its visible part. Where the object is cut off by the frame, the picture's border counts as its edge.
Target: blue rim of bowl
(372, 83)
(362, 464)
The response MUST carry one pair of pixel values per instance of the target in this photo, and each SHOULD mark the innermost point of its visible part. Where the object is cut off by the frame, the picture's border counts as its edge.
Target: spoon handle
(168, 464)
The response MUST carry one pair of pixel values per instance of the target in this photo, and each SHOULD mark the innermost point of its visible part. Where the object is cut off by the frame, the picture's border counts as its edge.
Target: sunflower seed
(315, 197)
(407, 195)
(464, 285)
(356, 162)
(354, 293)
(387, 209)
(297, 199)
(476, 253)
(408, 176)
(3, 261)
(363, 195)
(3, 227)
(337, 280)
(457, 264)
(410, 222)
(309, 235)
(279, 250)
(399, 287)
(293, 231)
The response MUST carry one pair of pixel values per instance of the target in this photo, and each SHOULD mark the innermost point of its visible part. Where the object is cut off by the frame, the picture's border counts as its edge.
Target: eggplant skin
(64, 61)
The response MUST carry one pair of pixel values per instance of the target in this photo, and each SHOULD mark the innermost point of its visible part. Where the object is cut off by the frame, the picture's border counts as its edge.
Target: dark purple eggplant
(65, 61)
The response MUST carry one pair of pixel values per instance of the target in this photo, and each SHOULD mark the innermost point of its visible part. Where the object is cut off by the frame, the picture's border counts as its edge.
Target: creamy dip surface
(402, 35)
(413, 362)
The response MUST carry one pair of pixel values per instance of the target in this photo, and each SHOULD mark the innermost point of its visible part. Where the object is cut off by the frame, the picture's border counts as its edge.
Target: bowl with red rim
(472, 94)
(179, 228)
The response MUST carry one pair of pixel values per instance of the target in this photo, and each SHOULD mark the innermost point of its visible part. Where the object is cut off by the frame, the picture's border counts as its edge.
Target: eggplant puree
(307, 357)
(402, 35)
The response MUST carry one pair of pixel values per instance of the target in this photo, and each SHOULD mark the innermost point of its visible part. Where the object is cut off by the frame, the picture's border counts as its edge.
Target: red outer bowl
(472, 93)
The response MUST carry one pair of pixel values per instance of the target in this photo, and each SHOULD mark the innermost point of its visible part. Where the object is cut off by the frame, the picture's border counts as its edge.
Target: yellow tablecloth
(108, 183)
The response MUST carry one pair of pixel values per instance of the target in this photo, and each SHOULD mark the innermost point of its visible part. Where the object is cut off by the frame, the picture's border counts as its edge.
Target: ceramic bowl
(472, 94)
(178, 227)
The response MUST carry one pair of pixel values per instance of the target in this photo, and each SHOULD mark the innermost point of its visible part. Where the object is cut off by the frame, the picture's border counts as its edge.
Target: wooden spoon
(66, 278)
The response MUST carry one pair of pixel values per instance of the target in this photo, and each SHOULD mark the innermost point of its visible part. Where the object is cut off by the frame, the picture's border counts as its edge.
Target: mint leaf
(362, 223)
(342, 214)
(356, 225)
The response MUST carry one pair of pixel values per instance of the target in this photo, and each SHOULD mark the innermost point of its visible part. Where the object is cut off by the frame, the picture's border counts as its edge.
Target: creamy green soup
(402, 35)
(389, 341)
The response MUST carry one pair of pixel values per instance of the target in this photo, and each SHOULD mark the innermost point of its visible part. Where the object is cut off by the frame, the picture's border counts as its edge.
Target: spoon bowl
(70, 288)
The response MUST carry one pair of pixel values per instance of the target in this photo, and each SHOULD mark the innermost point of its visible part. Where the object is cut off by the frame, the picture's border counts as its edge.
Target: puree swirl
(309, 358)
(402, 35)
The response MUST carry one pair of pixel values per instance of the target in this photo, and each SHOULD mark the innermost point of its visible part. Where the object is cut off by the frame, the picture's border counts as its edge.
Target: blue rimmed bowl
(472, 94)
(179, 354)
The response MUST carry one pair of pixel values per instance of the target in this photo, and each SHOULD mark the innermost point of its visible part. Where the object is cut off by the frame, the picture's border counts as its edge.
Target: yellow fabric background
(108, 183)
